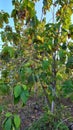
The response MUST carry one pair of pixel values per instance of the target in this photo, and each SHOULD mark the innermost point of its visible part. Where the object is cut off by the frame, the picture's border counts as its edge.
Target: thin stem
(53, 82)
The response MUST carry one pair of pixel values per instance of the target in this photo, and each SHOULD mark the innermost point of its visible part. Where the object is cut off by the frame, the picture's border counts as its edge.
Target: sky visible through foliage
(6, 5)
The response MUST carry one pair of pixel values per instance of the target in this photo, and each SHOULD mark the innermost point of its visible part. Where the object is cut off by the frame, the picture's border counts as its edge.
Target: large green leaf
(17, 91)
(24, 96)
(17, 121)
(7, 124)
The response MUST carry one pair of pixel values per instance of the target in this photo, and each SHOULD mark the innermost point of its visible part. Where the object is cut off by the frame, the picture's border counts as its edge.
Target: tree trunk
(53, 82)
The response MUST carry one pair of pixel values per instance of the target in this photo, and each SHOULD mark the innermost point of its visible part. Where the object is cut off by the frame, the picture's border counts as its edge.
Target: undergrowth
(48, 121)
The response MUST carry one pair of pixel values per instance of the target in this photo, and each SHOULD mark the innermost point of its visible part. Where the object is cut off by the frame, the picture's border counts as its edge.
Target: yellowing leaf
(40, 38)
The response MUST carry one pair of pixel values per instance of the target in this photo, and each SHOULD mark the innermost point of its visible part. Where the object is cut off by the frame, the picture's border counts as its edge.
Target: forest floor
(33, 110)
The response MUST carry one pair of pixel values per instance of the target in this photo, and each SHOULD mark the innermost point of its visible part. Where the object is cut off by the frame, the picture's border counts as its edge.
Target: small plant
(48, 121)
(21, 93)
(11, 122)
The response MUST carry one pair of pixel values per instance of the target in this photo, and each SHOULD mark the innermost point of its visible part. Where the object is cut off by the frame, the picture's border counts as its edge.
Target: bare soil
(33, 110)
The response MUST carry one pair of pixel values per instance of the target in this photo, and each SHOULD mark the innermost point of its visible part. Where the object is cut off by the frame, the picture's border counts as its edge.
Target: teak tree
(37, 52)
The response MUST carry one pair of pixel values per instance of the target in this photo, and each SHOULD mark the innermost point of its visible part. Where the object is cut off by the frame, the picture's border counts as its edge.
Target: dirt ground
(33, 110)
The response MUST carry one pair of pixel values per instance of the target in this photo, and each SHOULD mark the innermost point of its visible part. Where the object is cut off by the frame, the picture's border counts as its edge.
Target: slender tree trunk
(52, 106)
(53, 82)
(53, 68)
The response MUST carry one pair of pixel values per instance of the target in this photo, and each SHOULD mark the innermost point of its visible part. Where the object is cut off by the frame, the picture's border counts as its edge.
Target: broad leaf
(17, 121)
(24, 96)
(7, 124)
(17, 91)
